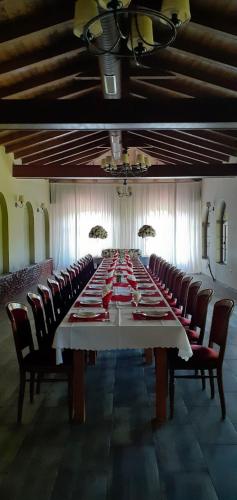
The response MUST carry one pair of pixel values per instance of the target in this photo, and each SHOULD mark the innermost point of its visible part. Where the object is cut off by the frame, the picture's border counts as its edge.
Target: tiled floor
(116, 455)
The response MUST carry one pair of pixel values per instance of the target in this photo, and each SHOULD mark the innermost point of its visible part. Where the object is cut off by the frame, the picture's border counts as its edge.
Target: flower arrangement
(98, 232)
(109, 252)
(146, 231)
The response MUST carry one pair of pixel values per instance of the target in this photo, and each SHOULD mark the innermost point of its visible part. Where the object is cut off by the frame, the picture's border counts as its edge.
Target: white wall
(216, 191)
(34, 191)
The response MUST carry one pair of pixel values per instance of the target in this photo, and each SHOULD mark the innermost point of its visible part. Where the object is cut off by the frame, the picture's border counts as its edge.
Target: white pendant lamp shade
(105, 4)
(85, 10)
(141, 34)
(176, 10)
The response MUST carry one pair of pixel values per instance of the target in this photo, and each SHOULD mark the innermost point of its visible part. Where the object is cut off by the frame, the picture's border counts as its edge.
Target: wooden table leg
(148, 353)
(79, 412)
(92, 357)
(161, 385)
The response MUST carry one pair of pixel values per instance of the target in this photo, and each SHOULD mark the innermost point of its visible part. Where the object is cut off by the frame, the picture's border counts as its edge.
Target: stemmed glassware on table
(136, 297)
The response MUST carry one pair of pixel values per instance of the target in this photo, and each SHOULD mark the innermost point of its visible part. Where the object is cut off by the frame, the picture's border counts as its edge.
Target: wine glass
(136, 297)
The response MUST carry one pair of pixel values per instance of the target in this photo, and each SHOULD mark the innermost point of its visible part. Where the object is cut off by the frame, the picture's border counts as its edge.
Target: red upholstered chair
(196, 330)
(174, 299)
(209, 359)
(181, 304)
(193, 290)
(151, 263)
(57, 299)
(44, 339)
(33, 362)
(48, 309)
(68, 286)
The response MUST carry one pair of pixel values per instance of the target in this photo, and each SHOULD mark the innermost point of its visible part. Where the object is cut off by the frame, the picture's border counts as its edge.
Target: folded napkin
(107, 296)
(132, 283)
(168, 316)
(96, 281)
(109, 280)
(73, 318)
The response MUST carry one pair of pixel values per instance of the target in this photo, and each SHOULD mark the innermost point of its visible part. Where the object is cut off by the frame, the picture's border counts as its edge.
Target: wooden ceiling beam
(42, 16)
(198, 67)
(180, 152)
(64, 154)
(190, 146)
(202, 142)
(119, 114)
(152, 91)
(209, 42)
(36, 47)
(85, 157)
(58, 143)
(161, 155)
(95, 171)
(213, 137)
(37, 74)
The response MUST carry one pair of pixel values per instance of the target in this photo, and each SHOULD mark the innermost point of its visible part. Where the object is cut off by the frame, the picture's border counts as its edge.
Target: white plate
(150, 300)
(153, 314)
(145, 285)
(90, 300)
(93, 292)
(150, 293)
(86, 314)
(96, 287)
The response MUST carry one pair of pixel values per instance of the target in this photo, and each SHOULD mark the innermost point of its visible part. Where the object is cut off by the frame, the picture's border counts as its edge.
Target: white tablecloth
(121, 331)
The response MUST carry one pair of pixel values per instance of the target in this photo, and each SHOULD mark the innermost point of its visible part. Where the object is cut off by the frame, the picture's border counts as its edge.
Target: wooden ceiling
(41, 60)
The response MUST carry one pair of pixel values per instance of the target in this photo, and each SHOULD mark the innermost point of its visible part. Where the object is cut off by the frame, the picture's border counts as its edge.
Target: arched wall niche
(4, 235)
(31, 232)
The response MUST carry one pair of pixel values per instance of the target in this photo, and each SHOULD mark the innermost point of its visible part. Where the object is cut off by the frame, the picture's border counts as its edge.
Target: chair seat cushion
(203, 358)
(177, 311)
(46, 360)
(193, 336)
(172, 302)
(184, 321)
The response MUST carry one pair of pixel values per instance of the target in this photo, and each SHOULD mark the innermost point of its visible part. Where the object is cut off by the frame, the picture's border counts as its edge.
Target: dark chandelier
(125, 168)
(129, 31)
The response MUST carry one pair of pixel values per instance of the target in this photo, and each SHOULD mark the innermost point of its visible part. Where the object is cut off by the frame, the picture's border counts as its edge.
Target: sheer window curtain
(172, 209)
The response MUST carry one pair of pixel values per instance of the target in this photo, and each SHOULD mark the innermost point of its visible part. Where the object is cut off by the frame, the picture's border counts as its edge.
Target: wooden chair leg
(212, 386)
(171, 391)
(21, 396)
(221, 393)
(148, 356)
(32, 387)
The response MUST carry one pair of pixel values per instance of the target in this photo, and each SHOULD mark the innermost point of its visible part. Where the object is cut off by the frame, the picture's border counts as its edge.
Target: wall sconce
(210, 206)
(19, 201)
(41, 207)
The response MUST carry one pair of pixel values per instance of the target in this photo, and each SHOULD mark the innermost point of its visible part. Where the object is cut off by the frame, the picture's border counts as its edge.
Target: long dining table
(151, 326)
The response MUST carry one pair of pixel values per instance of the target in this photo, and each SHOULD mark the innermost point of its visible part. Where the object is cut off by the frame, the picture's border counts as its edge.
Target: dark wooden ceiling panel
(41, 59)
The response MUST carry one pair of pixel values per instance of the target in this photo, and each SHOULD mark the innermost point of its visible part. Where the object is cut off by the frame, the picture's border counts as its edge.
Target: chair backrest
(157, 266)
(170, 276)
(219, 325)
(38, 313)
(68, 284)
(48, 308)
(174, 276)
(152, 261)
(200, 313)
(184, 292)
(177, 285)
(57, 298)
(60, 280)
(192, 296)
(18, 315)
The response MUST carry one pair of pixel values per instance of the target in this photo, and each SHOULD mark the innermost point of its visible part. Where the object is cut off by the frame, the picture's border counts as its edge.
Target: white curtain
(173, 209)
